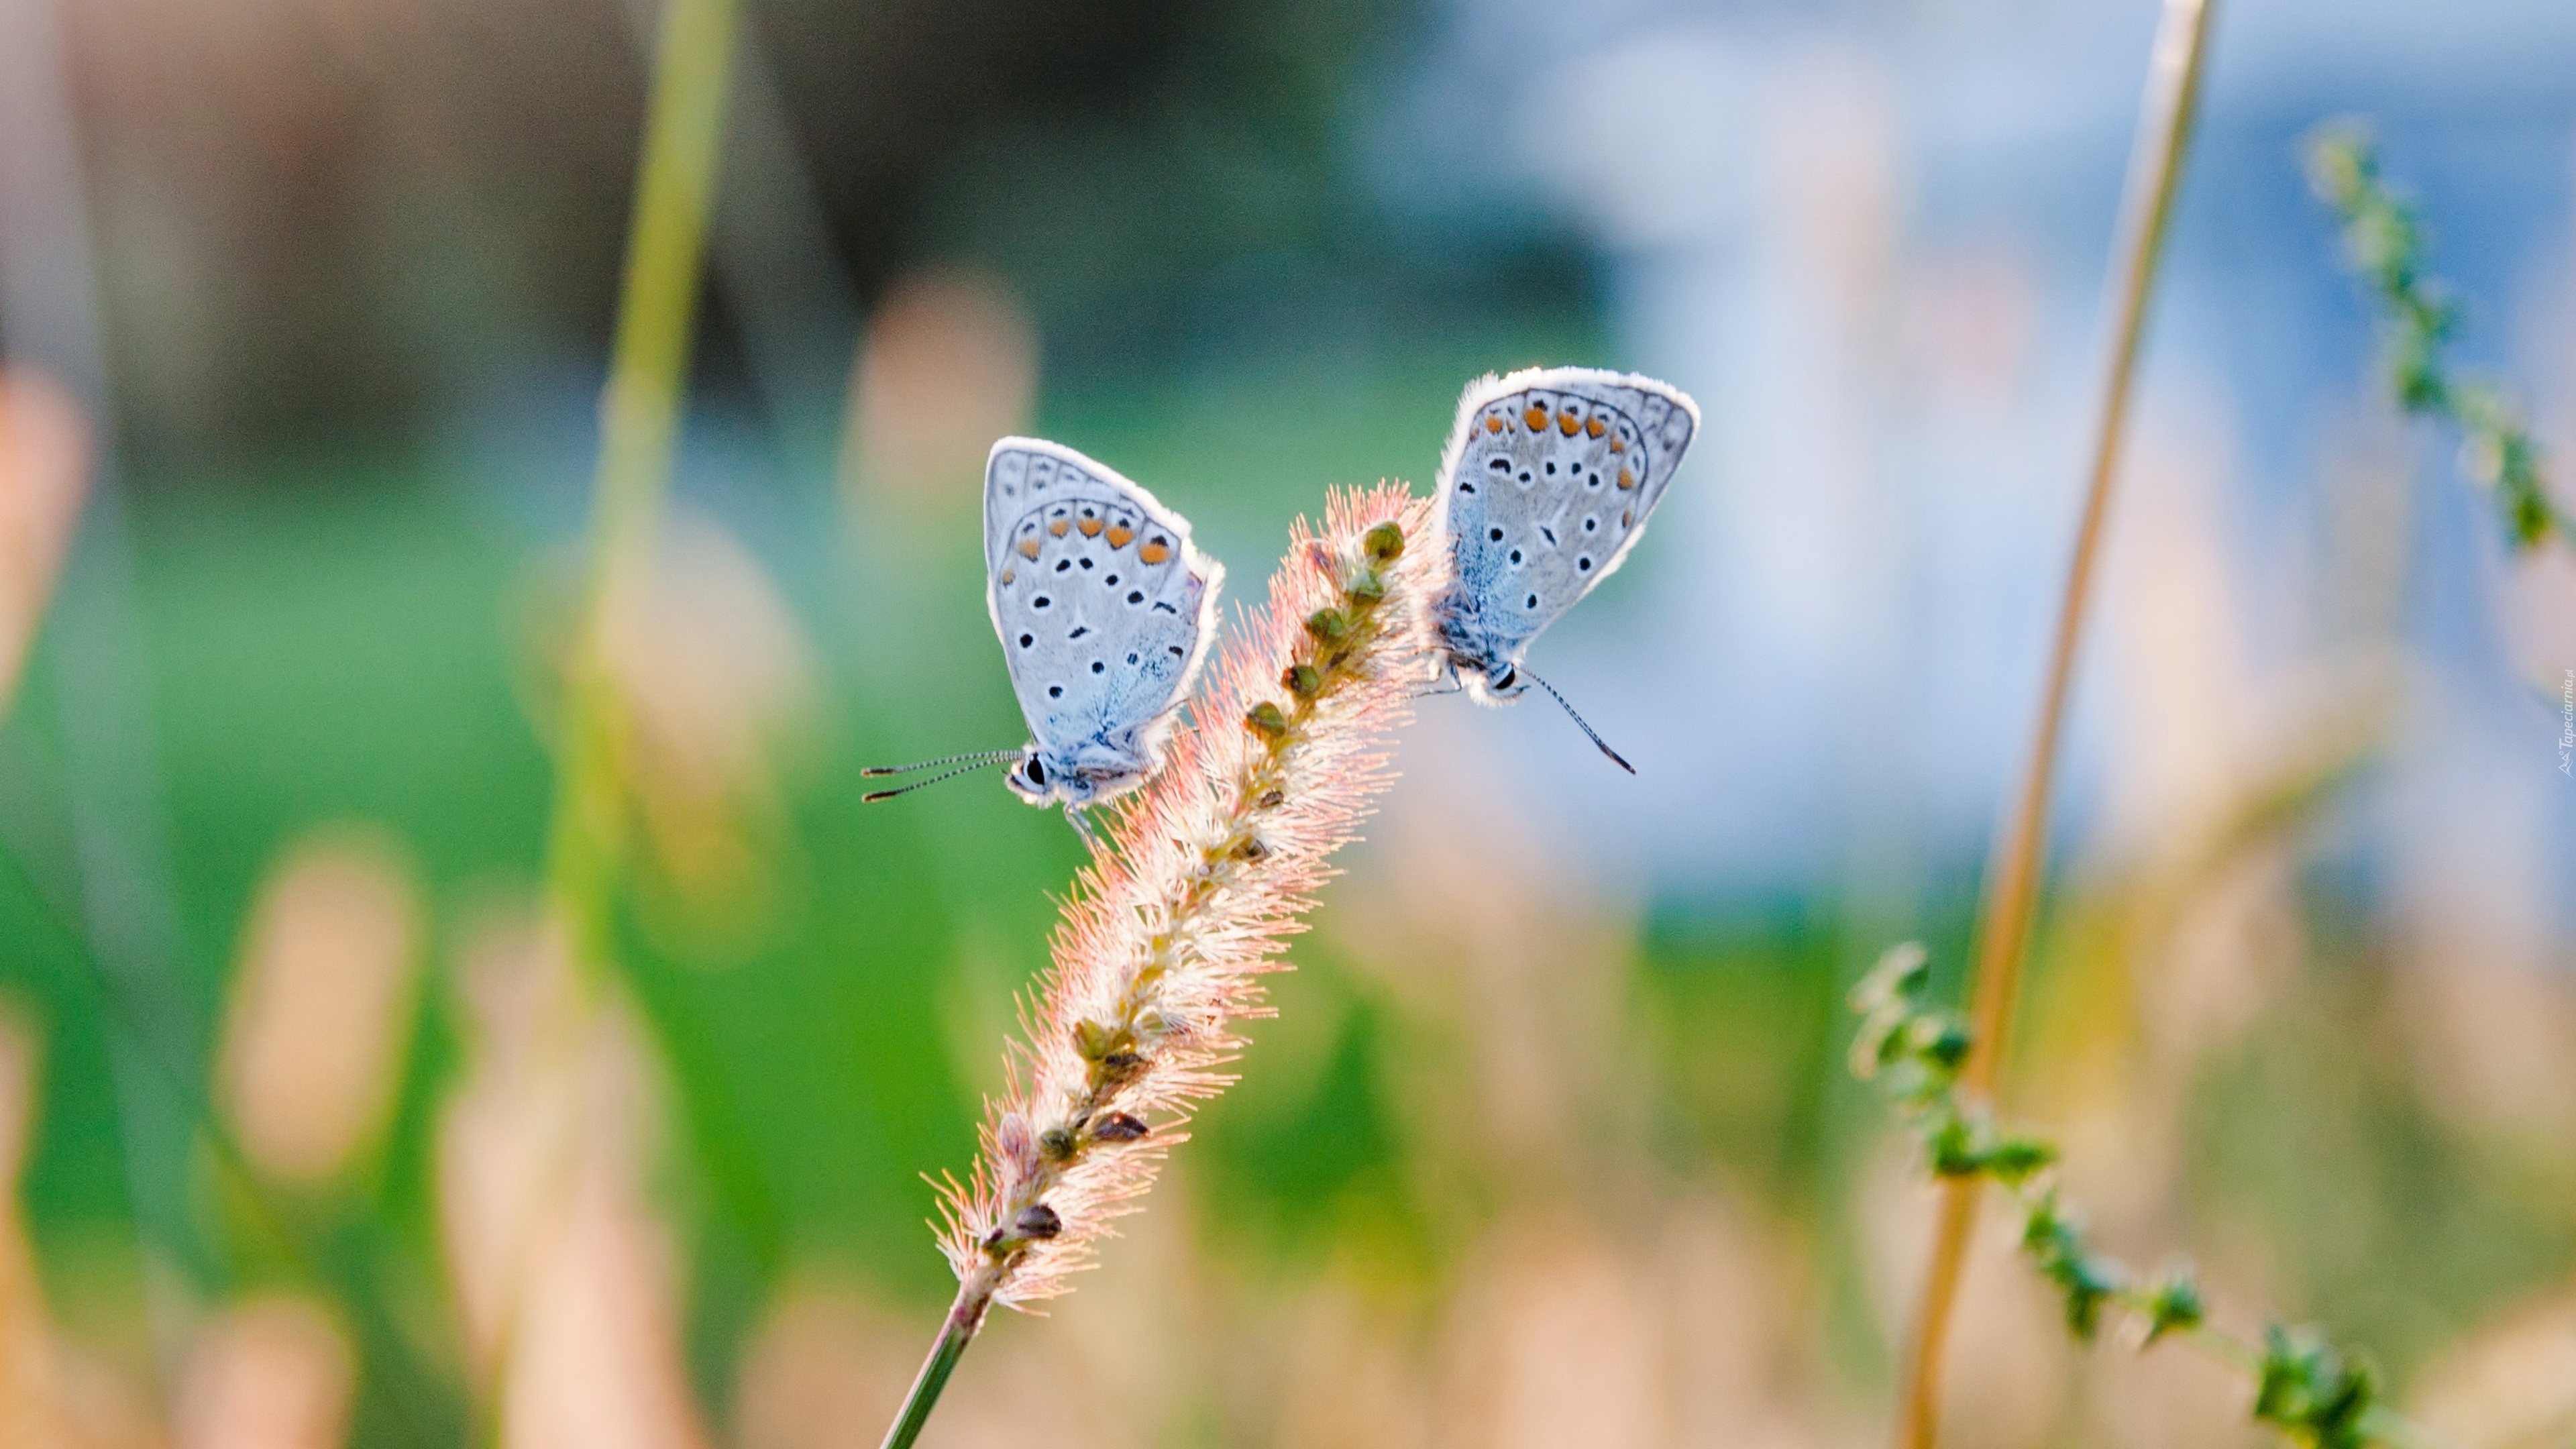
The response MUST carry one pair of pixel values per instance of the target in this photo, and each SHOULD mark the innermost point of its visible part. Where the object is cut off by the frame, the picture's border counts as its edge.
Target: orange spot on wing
(1592, 427)
(1090, 528)
(1618, 445)
(1493, 425)
(1006, 576)
(1155, 552)
(1626, 515)
(1627, 479)
(1566, 424)
(1028, 548)
(1118, 536)
(1059, 526)
(1536, 417)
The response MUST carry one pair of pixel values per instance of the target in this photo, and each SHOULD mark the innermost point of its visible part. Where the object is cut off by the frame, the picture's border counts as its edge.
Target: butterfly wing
(1104, 607)
(1547, 483)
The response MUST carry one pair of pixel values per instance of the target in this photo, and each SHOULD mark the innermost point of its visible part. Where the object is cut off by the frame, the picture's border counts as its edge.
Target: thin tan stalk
(2172, 96)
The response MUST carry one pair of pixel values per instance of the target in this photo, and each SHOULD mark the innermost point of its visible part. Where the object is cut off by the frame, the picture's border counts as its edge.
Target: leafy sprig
(2384, 240)
(2316, 1394)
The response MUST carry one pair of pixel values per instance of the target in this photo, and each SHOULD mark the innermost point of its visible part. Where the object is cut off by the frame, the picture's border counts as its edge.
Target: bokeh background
(306, 307)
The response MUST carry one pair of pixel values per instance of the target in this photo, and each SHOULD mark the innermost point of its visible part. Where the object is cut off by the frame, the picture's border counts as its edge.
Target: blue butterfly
(1105, 610)
(1548, 481)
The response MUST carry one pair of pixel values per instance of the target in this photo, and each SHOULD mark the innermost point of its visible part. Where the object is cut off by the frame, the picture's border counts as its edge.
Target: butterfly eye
(1037, 772)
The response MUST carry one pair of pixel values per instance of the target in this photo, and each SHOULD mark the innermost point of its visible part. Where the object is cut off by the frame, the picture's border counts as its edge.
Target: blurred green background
(1552, 1140)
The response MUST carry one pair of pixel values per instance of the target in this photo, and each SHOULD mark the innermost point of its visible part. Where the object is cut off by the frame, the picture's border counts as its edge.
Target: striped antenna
(980, 757)
(1578, 720)
(909, 786)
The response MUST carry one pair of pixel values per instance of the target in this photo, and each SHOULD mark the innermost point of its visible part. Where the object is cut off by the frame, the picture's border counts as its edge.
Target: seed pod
(1097, 1042)
(1385, 543)
(1038, 1221)
(1266, 718)
(1118, 1127)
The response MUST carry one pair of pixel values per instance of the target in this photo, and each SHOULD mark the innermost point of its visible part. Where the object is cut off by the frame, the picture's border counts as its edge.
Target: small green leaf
(1952, 1149)
(2015, 1158)
(2175, 1306)
(1943, 1040)
(2306, 1388)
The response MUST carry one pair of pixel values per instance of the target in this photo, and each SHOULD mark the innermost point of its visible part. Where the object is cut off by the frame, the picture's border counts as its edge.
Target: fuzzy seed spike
(1189, 900)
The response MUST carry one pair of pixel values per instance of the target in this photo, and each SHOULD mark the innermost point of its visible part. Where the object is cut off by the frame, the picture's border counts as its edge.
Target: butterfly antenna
(909, 786)
(1578, 720)
(980, 757)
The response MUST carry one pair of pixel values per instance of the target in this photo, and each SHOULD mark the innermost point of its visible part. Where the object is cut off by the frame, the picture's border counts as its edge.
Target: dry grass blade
(2173, 92)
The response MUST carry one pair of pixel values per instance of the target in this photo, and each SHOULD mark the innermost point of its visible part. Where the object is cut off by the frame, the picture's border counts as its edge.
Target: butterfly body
(1105, 611)
(1548, 481)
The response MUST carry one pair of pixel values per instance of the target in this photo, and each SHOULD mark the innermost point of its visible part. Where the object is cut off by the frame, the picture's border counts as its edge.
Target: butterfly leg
(1444, 681)
(1083, 827)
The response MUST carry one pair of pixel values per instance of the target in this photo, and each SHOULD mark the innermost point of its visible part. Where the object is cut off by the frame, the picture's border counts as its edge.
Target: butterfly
(1105, 610)
(1548, 481)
